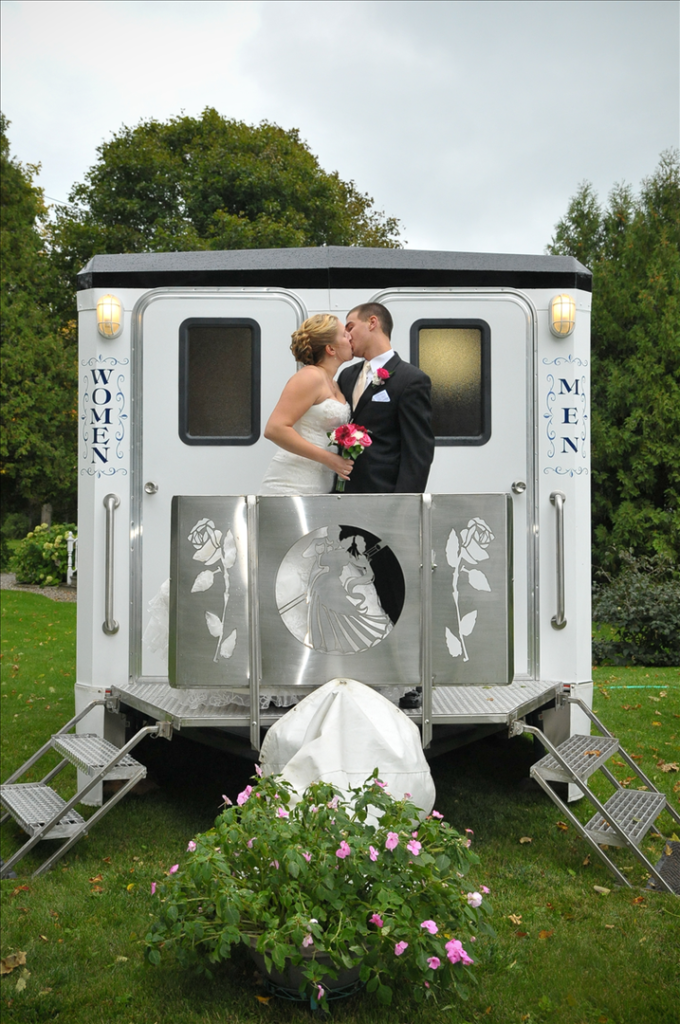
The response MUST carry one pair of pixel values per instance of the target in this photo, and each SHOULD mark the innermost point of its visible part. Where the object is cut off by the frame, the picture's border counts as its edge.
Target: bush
(642, 608)
(15, 525)
(42, 556)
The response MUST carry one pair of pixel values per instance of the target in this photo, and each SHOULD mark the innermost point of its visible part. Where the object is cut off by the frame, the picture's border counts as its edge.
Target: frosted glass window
(219, 382)
(455, 355)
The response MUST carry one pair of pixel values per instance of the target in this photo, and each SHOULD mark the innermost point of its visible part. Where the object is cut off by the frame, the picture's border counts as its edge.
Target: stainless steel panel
(472, 622)
(339, 589)
(209, 618)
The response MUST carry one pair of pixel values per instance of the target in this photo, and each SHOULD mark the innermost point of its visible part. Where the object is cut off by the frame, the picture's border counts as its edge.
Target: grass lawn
(573, 957)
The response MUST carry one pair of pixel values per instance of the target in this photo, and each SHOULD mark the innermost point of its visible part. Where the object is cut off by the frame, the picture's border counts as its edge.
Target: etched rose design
(470, 547)
(212, 547)
(207, 541)
(474, 540)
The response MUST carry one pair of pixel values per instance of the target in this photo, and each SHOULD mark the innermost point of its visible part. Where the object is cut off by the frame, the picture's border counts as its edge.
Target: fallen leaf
(263, 999)
(97, 888)
(611, 926)
(21, 982)
(11, 962)
(20, 888)
(668, 850)
(586, 753)
(107, 860)
(669, 766)
(521, 935)
(44, 992)
(550, 906)
(562, 826)
(515, 918)
(44, 938)
(656, 723)
(586, 862)
(636, 757)
(97, 878)
(602, 890)
(526, 839)
(639, 899)
(663, 694)
(619, 764)
(130, 887)
(543, 934)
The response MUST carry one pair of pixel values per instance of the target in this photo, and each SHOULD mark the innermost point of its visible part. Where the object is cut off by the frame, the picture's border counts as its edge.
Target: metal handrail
(558, 498)
(110, 626)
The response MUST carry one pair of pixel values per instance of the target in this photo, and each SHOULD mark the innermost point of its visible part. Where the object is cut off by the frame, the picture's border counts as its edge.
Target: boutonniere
(381, 377)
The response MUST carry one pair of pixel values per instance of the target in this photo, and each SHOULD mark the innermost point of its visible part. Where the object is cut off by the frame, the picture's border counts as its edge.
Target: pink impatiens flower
(333, 804)
(470, 831)
(436, 814)
(307, 856)
(273, 864)
(430, 926)
(485, 889)
(414, 847)
(392, 841)
(258, 771)
(175, 867)
(474, 899)
(377, 920)
(242, 797)
(153, 888)
(400, 948)
(308, 939)
(226, 801)
(434, 962)
(249, 844)
(407, 796)
(191, 847)
(319, 992)
(455, 952)
(283, 813)
(383, 785)
(344, 850)
(373, 853)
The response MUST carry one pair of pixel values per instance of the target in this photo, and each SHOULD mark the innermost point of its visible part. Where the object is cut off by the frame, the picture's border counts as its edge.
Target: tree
(211, 183)
(38, 447)
(633, 248)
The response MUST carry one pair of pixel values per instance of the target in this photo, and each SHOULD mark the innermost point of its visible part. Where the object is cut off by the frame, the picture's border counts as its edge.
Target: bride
(310, 405)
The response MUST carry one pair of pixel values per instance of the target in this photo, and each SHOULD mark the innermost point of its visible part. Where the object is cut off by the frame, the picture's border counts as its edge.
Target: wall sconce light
(109, 316)
(562, 315)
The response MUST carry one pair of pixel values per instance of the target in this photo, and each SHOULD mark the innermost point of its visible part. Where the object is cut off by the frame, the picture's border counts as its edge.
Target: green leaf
(384, 994)
(154, 957)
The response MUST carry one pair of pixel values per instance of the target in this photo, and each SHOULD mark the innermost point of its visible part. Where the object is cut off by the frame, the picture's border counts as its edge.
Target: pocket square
(381, 396)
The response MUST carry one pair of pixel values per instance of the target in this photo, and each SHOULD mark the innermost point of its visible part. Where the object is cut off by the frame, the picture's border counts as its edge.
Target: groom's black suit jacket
(401, 431)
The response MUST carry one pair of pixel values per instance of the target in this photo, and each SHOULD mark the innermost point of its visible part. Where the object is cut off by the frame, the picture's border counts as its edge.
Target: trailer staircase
(43, 814)
(626, 817)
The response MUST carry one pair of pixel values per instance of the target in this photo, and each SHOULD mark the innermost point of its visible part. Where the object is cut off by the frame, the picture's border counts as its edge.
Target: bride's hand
(342, 467)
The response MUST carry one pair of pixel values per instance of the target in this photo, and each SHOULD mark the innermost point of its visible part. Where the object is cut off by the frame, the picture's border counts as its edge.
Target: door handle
(558, 499)
(110, 626)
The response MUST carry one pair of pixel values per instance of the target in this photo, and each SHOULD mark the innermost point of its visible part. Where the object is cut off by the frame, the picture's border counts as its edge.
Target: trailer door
(209, 365)
(478, 348)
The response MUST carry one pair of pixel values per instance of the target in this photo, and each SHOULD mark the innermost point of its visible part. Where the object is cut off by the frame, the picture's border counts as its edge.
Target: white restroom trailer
(182, 358)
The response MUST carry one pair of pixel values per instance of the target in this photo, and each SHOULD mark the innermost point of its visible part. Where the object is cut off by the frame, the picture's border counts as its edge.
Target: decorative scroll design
(471, 548)
(573, 360)
(212, 548)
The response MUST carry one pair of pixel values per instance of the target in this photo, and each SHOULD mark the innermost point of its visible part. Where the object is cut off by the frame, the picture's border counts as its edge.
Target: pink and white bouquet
(352, 440)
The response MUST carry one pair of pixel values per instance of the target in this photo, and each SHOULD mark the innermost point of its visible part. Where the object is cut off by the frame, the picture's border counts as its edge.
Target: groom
(392, 399)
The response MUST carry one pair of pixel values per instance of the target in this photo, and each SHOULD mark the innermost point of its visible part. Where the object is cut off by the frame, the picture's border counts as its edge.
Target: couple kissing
(390, 398)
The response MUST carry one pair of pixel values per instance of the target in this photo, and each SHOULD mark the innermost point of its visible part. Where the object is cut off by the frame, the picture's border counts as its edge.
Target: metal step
(91, 754)
(583, 754)
(634, 811)
(32, 804)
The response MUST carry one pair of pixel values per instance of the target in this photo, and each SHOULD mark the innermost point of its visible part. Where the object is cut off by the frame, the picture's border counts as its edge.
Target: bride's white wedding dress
(293, 474)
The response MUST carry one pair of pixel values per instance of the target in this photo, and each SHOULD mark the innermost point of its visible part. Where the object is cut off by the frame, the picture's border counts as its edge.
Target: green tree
(633, 248)
(211, 183)
(38, 443)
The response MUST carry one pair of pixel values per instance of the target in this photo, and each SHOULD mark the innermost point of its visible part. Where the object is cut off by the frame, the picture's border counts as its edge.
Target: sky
(472, 121)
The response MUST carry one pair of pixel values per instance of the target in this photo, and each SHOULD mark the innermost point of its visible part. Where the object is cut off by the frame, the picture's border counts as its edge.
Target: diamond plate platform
(90, 754)
(31, 804)
(634, 811)
(456, 705)
(583, 754)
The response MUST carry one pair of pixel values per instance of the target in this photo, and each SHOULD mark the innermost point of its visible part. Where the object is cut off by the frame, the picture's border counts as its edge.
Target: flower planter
(286, 983)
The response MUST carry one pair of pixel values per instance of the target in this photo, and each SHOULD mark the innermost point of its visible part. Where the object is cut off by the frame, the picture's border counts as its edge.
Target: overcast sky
(473, 122)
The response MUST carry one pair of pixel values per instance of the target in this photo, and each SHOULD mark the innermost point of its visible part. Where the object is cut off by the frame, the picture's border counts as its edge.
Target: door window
(455, 354)
(219, 381)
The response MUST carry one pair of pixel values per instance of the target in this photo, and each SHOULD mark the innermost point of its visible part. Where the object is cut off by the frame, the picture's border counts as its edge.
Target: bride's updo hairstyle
(310, 340)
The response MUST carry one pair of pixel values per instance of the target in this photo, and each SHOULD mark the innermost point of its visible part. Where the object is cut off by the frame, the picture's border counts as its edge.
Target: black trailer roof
(333, 267)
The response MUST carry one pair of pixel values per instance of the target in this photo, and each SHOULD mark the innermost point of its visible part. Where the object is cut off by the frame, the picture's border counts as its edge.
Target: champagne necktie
(360, 385)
